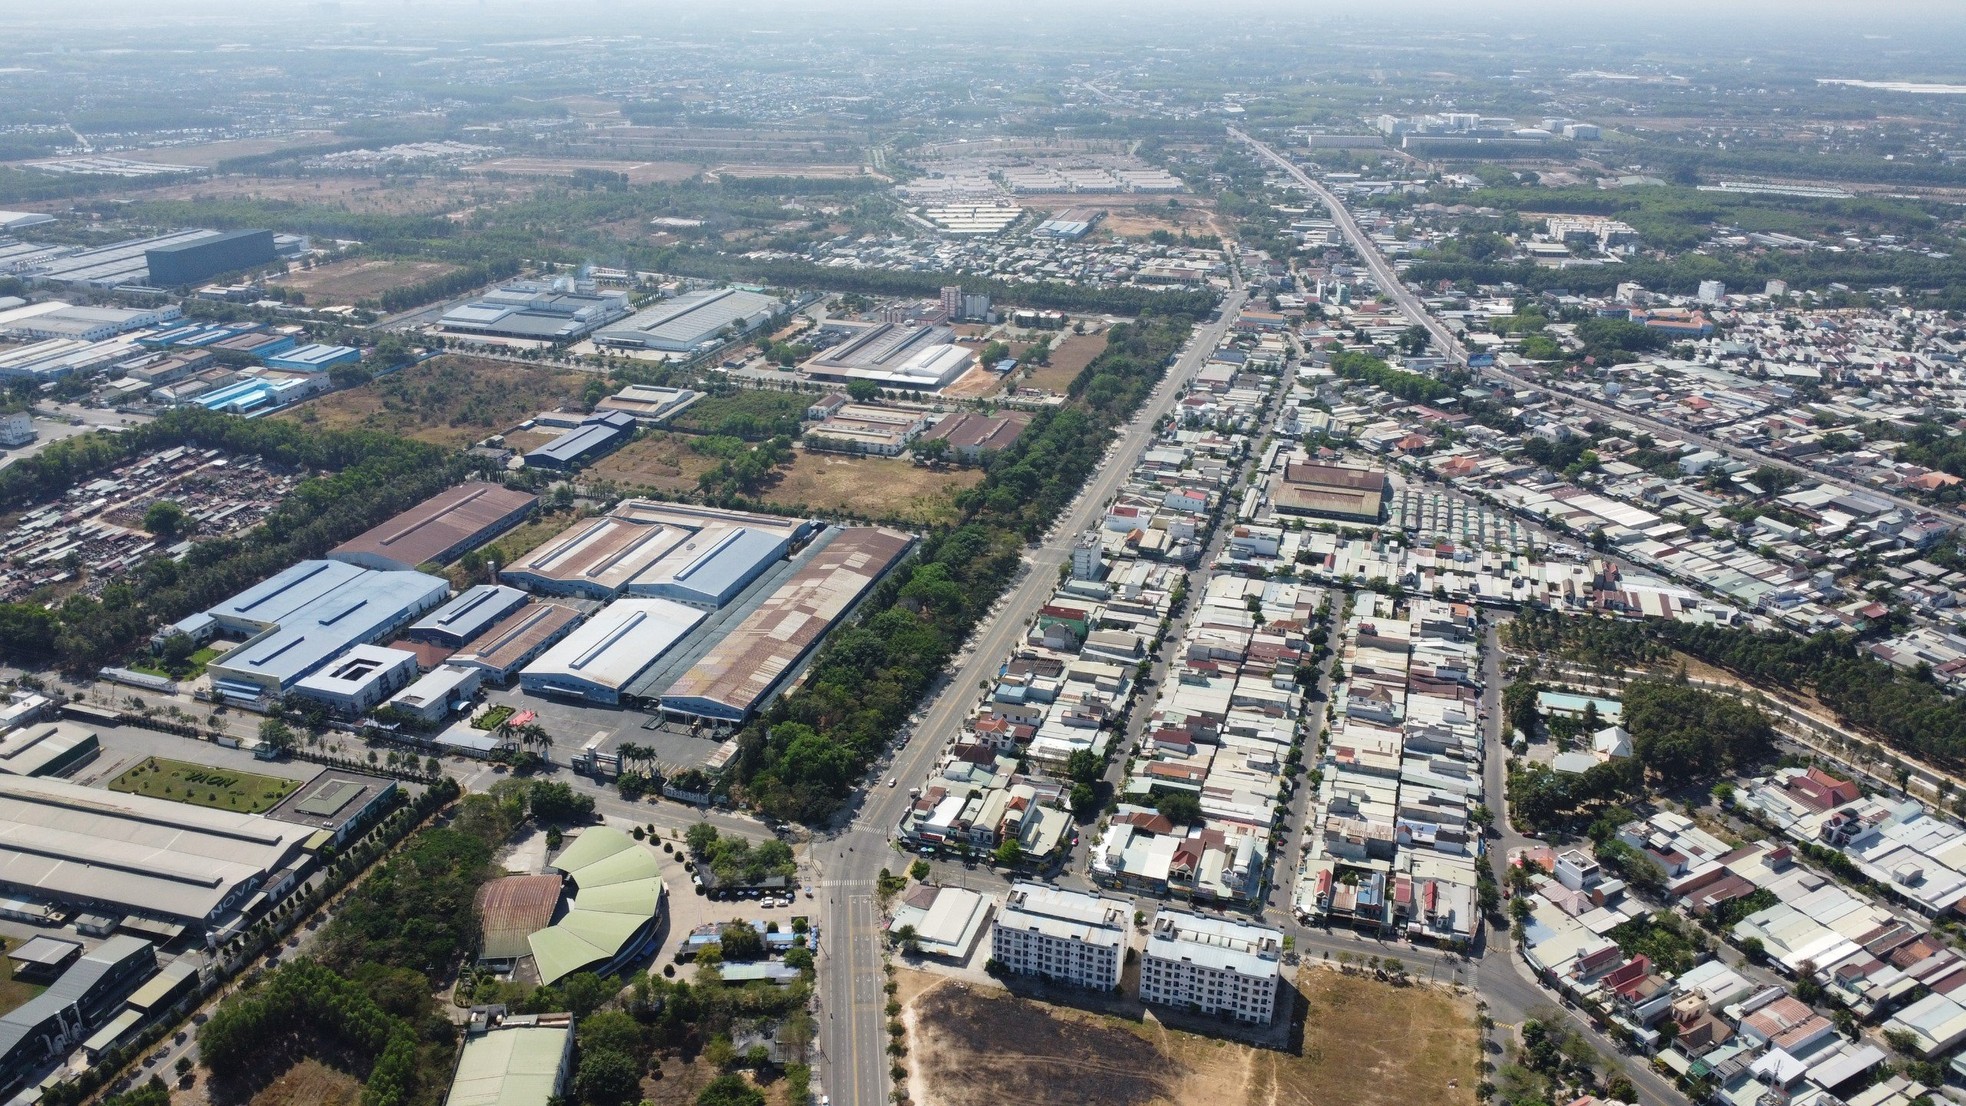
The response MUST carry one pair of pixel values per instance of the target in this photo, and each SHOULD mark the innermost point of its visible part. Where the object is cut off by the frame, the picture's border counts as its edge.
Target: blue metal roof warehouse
(310, 614)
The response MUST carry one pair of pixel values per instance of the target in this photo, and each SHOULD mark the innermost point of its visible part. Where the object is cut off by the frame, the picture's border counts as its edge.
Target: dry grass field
(871, 487)
(360, 278)
(1069, 356)
(209, 154)
(362, 195)
(660, 462)
(817, 172)
(308, 1083)
(446, 401)
(1365, 1043)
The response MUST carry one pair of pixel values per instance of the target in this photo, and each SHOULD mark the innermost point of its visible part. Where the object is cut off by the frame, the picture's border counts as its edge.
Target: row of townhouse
(1066, 689)
(1188, 961)
(1220, 730)
(1392, 844)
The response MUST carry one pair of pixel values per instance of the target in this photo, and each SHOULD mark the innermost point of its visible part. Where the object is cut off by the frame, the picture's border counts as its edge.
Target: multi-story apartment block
(1212, 964)
(1069, 936)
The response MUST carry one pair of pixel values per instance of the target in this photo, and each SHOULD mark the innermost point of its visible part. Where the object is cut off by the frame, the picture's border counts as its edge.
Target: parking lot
(572, 725)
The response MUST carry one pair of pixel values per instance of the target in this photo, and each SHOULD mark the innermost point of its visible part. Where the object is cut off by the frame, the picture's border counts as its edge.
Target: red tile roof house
(1820, 791)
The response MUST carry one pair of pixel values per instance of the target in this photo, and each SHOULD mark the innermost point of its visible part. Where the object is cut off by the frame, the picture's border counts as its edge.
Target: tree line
(1904, 709)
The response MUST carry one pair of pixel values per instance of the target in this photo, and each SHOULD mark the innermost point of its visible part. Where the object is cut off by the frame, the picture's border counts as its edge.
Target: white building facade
(1213, 965)
(1067, 936)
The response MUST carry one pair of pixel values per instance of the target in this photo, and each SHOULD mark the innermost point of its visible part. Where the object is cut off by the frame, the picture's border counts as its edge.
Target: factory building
(555, 311)
(104, 267)
(11, 221)
(516, 640)
(1331, 491)
(595, 436)
(302, 618)
(893, 355)
(47, 749)
(649, 403)
(359, 679)
(522, 1061)
(47, 361)
(49, 1025)
(475, 610)
(313, 358)
(173, 264)
(607, 652)
(754, 658)
(439, 529)
(127, 854)
(701, 556)
(87, 324)
(691, 321)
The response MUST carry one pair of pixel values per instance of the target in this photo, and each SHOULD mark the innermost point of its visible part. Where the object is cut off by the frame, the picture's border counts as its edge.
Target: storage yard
(95, 532)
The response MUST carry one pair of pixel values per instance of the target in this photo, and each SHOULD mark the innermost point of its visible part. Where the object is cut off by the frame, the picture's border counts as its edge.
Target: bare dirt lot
(1069, 356)
(360, 278)
(872, 487)
(639, 172)
(307, 1083)
(1365, 1043)
(446, 401)
(974, 384)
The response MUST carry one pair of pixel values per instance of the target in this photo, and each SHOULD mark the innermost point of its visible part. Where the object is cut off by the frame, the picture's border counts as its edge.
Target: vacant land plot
(362, 195)
(310, 1083)
(1365, 1043)
(209, 154)
(821, 172)
(888, 488)
(1135, 216)
(660, 462)
(638, 172)
(752, 414)
(1069, 356)
(361, 278)
(446, 401)
(13, 993)
(203, 785)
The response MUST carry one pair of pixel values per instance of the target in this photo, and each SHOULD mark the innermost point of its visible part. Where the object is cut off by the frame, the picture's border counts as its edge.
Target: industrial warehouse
(700, 556)
(438, 529)
(607, 652)
(559, 311)
(298, 621)
(892, 355)
(690, 321)
(750, 662)
(130, 854)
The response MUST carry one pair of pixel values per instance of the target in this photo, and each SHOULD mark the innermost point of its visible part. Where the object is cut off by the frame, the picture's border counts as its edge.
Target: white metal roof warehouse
(689, 321)
(65, 842)
(612, 648)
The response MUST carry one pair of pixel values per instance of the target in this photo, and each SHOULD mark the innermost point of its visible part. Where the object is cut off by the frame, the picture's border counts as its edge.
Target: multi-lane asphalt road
(852, 1034)
(1447, 344)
